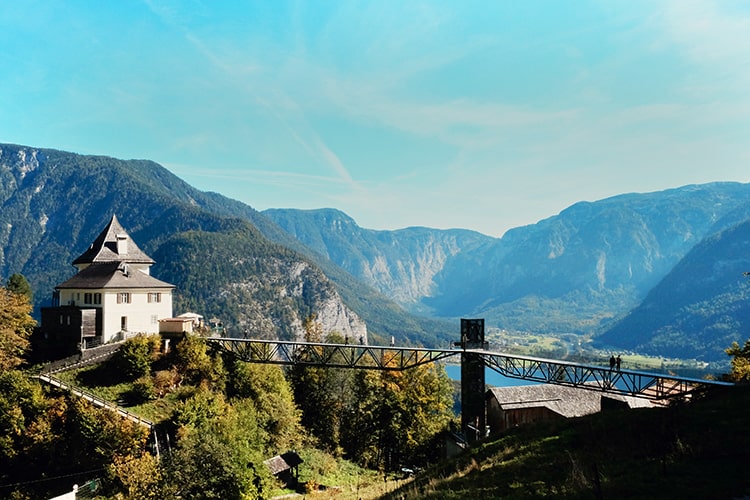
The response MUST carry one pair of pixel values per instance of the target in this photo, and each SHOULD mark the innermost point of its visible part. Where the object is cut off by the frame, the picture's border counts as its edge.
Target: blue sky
(483, 115)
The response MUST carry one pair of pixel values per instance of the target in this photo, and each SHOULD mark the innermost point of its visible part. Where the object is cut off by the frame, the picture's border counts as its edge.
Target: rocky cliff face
(402, 264)
(252, 316)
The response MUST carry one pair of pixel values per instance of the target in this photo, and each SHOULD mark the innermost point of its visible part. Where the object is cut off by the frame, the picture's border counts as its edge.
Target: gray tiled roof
(112, 275)
(566, 401)
(284, 462)
(104, 247)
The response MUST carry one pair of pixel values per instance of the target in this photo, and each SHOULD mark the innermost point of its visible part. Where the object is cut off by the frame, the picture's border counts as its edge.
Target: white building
(112, 295)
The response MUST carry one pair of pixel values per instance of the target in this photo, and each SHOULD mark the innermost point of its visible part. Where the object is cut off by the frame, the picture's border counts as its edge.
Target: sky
(482, 115)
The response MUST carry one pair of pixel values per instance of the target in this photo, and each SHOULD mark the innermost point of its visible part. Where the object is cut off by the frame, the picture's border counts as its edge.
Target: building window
(123, 298)
(124, 323)
(154, 319)
(92, 298)
(154, 297)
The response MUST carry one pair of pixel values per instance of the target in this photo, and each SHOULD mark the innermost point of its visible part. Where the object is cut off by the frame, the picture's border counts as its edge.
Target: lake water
(491, 377)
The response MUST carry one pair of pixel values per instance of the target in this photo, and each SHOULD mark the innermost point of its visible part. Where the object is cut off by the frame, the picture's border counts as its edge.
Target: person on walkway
(612, 362)
(618, 361)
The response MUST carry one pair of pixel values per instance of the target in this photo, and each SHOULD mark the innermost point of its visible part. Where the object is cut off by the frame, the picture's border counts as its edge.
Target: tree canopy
(740, 362)
(16, 325)
(17, 283)
(380, 419)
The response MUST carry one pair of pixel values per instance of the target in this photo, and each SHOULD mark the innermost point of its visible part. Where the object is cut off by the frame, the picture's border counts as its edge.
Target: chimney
(122, 244)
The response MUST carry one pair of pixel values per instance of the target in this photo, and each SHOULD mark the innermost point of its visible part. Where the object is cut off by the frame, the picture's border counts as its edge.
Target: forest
(216, 419)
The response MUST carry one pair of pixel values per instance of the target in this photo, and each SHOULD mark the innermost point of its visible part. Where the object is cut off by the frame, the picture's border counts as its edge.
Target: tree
(219, 451)
(138, 477)
(16, 325)
(97, 435)
(17, 284)
(197, 367)
(322, 393)
(134, 358)
(396, 415)
(22, 405)
(265, 387)
(740, 362)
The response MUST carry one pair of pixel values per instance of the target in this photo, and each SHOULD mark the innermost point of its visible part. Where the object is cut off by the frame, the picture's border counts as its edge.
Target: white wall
(142, 316)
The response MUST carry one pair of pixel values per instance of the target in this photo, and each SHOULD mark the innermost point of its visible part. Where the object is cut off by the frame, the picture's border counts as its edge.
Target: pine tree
(740, 362)
(17, 284)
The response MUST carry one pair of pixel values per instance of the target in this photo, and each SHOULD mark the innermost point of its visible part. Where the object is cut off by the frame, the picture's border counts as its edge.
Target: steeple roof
(113, 245)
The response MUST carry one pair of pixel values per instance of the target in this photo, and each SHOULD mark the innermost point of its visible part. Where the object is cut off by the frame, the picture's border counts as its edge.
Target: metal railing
(654, 386)
(95, 400)
(330, 355)
(646, 385)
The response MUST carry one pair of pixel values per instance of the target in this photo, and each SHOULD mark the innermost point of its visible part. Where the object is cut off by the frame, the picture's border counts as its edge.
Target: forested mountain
(575, 272)
(593, 261)
(699, 308)
(55, 203)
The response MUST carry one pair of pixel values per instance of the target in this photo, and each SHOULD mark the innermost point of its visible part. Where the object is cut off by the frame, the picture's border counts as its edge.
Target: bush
(134, 358)
(143, 390)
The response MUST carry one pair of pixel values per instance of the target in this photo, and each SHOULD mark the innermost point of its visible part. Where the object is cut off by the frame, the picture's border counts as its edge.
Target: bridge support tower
(473, 406)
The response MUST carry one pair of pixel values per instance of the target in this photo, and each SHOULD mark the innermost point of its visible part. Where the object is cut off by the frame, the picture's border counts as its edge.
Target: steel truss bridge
(651, 386)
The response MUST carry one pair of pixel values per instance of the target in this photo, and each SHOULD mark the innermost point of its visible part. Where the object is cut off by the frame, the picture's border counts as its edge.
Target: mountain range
(581, 271)
(659, 273)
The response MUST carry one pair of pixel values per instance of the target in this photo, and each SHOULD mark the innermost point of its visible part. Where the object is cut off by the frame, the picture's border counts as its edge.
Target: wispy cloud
(246, 77)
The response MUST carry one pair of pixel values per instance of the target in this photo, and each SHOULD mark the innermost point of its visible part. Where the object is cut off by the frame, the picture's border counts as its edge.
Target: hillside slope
(685, 451)
(699, 308)
(54, 204)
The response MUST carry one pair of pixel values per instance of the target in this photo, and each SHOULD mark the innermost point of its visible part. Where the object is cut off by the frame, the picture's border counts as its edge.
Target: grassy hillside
(697, 450)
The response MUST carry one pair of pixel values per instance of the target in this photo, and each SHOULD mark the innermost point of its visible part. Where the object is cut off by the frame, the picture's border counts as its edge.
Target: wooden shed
(285, 467)
(512, 406)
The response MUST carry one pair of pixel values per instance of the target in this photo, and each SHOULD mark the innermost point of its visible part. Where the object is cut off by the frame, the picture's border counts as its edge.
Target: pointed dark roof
(105, 247)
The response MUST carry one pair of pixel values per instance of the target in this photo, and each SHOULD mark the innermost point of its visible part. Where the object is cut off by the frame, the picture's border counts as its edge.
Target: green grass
(94, 379)
(698, 450)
